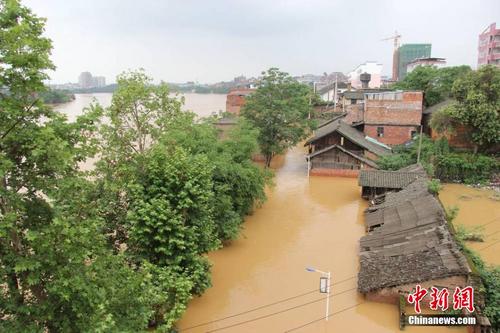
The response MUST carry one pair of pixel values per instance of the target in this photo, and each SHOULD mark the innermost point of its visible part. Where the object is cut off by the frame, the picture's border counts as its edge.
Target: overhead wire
(263, 306)
(277, 312)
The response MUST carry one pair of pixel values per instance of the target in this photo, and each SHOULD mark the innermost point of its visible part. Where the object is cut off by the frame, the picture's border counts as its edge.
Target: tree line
(119, 246)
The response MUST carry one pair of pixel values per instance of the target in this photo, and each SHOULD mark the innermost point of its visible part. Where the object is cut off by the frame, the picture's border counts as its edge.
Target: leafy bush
(434, 186)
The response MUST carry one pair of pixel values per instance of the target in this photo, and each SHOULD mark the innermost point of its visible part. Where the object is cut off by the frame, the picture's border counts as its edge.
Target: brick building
(393, 117)
(235, 99)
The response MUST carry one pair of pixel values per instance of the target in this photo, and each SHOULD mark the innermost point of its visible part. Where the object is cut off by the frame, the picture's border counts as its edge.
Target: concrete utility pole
(335, 94)
(324, 287)
(419, 144)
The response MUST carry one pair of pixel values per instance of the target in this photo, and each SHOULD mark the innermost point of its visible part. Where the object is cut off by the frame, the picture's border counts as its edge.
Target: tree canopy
(436, 83)
(279, 109)
(477, 107)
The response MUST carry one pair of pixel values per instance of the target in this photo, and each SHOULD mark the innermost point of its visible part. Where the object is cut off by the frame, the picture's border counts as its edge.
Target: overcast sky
(210, 41)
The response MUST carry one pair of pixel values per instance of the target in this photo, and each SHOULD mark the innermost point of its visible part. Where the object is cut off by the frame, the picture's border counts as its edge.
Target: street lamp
(324, 286)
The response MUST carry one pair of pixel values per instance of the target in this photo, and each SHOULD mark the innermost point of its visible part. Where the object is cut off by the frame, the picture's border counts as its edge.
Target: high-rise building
(409, 52)
(99, 81)
(489, 46)
(85, 80)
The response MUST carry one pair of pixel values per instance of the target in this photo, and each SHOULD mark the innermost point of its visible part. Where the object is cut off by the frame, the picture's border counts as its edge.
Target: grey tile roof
(390, 179)
(362, 159)
(411, 244)
(350, 133)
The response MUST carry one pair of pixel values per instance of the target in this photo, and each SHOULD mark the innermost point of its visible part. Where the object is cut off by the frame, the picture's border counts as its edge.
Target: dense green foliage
(478, 105)
(55, 266)
(439, 161)
(436, 83)
(279, 109)
(167, 198)
(434, 186)
(53, 96)
(121, 246)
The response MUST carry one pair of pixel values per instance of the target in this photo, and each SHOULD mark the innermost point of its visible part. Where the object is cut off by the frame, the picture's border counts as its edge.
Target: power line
(277, 312)
(487, 246)
(496, 218)
(262, 306)
(323, 318)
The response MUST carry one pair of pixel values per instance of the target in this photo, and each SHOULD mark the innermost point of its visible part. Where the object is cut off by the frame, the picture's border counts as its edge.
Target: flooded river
(305, 222)
(478, 208)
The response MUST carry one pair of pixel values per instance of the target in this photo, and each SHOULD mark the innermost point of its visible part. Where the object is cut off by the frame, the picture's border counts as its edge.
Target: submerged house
(376, 182)
(409, 242)
(339, 149)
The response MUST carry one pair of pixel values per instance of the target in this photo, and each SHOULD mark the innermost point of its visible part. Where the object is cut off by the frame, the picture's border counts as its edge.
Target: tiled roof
(411, 242)
(324, 150)
(350, 133)
(389, 179)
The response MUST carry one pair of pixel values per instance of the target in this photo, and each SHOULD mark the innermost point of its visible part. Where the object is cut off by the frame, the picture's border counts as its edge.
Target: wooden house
(339, 149)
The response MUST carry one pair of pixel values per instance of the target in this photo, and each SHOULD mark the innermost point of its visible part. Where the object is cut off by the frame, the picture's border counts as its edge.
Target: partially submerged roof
(241, 91)
(350, 133)
(411, 242)
(390, 179)
(226, 121)
(360, 158)
(438, 106)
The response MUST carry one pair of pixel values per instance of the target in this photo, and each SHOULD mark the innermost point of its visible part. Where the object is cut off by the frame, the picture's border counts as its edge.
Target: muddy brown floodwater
(305, 222)
(478, 208)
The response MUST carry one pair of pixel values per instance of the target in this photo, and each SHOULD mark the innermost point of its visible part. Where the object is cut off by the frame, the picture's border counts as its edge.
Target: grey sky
(210, 41)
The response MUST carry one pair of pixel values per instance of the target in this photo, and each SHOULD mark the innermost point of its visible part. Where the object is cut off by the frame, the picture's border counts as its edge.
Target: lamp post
(323, 288)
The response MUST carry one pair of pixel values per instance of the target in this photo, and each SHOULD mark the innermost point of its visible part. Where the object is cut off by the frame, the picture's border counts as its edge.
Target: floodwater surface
(314, 222)
(478, 209)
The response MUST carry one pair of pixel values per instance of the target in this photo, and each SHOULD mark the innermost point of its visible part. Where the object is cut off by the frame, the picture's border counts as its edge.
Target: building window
(380, 132)
(353, 101)
(413, 134)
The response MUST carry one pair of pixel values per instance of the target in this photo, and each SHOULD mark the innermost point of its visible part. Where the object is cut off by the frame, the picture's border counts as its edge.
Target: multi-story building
(489, 46)
(99, 81)
(85, 80)
(434, 62)
(393, 117)
(409, 52)
(371, 67)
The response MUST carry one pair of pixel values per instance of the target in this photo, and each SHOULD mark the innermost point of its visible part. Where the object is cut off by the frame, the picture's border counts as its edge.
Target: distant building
(85, 80)
(489, 46)
(371, 67)
(393, 117)
(434, 62)
(235, 99)
(409, 52)
(99, 81)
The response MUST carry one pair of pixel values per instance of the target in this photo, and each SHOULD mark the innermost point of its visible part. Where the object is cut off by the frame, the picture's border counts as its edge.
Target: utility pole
(324, 286)
(335, 94)
(419, 144)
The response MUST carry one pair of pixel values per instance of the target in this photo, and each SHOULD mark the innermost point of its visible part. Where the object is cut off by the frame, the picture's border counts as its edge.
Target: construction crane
(396, 38)
(395, 58)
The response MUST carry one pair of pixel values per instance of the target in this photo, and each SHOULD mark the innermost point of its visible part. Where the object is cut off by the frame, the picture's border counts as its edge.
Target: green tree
(477, 107)
(279, 109)
(435, 83)
(57, 274)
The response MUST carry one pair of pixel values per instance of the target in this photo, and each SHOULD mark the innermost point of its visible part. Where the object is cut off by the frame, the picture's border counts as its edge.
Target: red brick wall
(459, 139)
(407, 111)
(393, 135)
(234, 103)
(354, 113)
